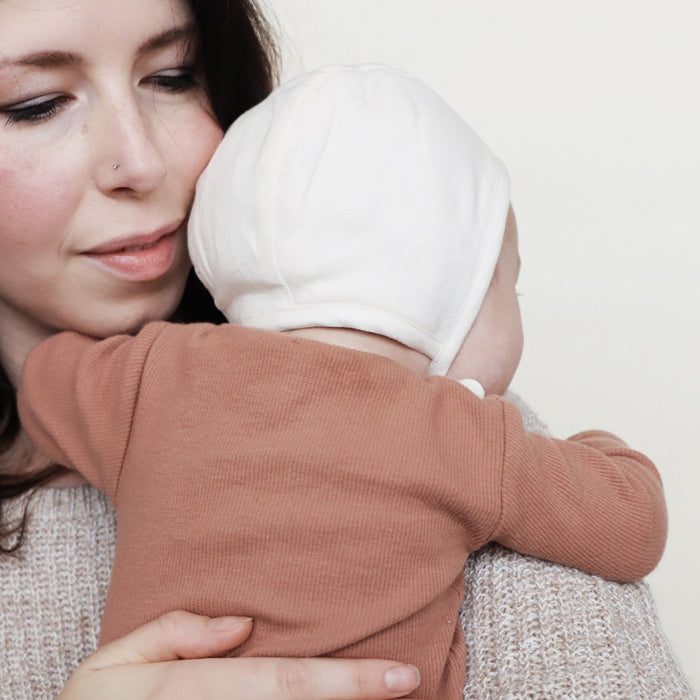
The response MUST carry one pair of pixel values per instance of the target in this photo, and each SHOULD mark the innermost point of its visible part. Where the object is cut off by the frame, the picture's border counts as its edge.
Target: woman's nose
(129, 160)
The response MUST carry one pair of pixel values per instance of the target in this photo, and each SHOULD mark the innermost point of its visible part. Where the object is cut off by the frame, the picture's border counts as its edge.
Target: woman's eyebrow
(62, 59)
(44, 59)
(171, 36)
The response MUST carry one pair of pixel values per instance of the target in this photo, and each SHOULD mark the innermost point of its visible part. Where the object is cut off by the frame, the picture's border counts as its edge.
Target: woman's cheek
(37, 198)
(201, 134)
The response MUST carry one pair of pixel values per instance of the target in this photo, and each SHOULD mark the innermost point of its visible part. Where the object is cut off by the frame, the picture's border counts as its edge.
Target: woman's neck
(367, 342)
(18, 335)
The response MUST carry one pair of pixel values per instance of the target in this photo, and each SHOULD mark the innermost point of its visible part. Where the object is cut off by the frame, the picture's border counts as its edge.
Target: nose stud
(115, 166)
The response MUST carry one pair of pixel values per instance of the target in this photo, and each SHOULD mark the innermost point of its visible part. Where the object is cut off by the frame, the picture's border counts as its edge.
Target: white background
(595, 109)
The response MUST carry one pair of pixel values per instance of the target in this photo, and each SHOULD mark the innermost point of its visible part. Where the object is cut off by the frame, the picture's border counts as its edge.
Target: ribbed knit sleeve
(589, 502)
(77, 399)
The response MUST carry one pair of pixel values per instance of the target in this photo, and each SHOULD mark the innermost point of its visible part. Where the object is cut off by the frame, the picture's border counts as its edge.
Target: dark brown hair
(240, 61)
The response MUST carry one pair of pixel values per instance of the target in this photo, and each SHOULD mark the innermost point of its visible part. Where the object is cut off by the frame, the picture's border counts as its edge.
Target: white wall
(594, 107)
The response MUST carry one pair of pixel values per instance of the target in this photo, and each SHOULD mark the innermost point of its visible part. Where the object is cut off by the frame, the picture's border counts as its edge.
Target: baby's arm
(589, 502)
(77, 399)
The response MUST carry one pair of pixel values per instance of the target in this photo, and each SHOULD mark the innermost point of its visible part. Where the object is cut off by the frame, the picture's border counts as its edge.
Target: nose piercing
(115, 166)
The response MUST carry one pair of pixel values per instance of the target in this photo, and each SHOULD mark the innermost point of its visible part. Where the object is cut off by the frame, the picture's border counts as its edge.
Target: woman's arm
(551, 629)
(171, 658)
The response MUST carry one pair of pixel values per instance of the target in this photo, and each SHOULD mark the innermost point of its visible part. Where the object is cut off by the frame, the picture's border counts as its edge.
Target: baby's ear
(477, 366)
(510, 232)
(489, 354)
(491, 349)
(469, 362)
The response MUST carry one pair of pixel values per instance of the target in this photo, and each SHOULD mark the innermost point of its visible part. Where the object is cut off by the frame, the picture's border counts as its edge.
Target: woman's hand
(170, 659)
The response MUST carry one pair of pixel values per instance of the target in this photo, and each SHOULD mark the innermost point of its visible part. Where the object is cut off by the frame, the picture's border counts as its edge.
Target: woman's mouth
(136, 248)
(137, 261)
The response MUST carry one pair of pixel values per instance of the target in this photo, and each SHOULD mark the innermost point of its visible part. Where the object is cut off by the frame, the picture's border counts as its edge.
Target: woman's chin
(112, 316)
(67, 480)
(118, 319)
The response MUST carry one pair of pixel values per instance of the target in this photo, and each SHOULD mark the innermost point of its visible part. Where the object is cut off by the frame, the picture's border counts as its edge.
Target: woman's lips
(139, 263)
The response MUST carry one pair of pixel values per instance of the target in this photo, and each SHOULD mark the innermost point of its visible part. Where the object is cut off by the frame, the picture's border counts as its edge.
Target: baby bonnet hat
(354, 197)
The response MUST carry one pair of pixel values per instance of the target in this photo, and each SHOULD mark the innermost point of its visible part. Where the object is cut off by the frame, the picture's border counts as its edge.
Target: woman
(105, 127)
(108, 113)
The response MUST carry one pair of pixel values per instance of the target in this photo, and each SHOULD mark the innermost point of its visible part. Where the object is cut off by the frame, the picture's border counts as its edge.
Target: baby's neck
(368, 342)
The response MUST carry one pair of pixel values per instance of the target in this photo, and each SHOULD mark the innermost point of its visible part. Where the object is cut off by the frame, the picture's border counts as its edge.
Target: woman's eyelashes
(175, 80)
(39, 109)
(36, 110)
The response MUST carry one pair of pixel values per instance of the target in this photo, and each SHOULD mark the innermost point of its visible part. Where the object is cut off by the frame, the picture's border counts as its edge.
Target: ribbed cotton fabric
(346, 489)
(534, 630)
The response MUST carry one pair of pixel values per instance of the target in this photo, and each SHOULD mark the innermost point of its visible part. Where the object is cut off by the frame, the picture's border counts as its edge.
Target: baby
(331, 494)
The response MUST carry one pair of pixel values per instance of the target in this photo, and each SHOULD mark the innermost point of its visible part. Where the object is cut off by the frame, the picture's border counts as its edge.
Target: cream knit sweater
(534, 629)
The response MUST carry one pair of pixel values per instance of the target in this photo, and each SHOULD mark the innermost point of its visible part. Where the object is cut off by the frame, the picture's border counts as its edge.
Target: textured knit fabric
(53, 590)
(352, 197)
(535, 630)
(348, 489)
(541, 631)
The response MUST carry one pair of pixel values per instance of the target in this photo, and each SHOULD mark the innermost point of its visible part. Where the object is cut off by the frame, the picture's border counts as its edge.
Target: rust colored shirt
(330, 494)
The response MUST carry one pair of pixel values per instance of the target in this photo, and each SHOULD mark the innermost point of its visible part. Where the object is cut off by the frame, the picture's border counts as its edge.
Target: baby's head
(355, 197)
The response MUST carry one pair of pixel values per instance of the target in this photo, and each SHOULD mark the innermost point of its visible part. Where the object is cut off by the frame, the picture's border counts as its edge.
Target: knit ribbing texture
(534, 630)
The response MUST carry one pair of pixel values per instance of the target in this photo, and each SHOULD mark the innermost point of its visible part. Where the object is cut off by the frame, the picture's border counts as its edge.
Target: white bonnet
(355, 197)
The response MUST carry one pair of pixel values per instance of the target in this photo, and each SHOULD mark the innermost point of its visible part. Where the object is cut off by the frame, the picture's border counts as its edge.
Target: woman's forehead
(82, 27)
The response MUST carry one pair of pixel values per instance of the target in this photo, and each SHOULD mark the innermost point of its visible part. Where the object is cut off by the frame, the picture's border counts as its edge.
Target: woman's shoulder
(531, 421)
(53, 588)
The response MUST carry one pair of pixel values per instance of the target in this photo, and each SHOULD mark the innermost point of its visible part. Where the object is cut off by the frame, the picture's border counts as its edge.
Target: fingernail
(401, 679)
(228, 624)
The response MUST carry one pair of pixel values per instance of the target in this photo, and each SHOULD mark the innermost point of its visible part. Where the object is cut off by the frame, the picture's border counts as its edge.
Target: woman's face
(104, 129)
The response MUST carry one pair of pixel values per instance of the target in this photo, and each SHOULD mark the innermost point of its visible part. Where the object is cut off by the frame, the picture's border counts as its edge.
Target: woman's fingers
(313, 679)
(175, 635)
(168, 659)
(247, 679)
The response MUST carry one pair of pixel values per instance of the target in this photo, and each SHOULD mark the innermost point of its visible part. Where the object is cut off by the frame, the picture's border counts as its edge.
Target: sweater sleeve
(589, 501)
(77, 399)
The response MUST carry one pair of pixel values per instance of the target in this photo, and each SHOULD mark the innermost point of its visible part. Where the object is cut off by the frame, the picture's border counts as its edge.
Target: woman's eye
(33, 111)
(175, 80)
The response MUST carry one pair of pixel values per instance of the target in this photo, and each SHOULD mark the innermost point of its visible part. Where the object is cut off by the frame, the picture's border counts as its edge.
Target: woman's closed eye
(174, 80)
(39, 109)
(35, 110)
